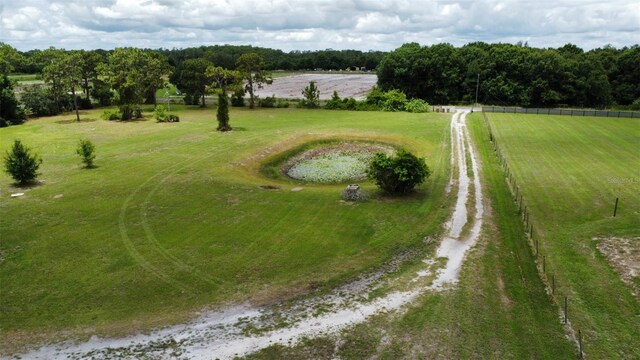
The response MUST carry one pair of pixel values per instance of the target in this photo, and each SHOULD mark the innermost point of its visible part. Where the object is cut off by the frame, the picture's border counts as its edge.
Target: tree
(21, 164)
(223, 80)
(191, 79)
(311, 95)
(398, 174)
(87, 152)
(10, 58)
(251, 68)
(10, 111)
(133, 73)
(54, 74)
(89, 71)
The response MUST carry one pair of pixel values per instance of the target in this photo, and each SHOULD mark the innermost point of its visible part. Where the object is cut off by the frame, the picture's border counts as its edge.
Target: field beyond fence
(568, 112)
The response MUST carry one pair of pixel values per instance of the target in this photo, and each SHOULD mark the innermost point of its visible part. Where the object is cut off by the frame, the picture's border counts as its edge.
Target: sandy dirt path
(223, 335)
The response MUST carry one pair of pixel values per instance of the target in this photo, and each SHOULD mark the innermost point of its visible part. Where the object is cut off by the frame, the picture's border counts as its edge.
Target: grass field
(500, 309)
(174, 220)
(570, 171)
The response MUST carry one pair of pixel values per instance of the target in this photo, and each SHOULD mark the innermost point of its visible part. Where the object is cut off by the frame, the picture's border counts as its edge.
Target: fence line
(531, 238)
(566, 112)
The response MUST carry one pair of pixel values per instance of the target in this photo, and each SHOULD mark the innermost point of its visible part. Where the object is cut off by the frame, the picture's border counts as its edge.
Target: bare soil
(290, 87)
(624, 256)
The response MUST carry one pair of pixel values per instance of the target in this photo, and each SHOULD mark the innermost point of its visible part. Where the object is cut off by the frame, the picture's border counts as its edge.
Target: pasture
(176, 218)
(569, 171)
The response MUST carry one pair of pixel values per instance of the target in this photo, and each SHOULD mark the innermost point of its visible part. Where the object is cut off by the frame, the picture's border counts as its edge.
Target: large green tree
(133, 73)
(55, 74)
(251, 67)
(10, 58)
(190, 77)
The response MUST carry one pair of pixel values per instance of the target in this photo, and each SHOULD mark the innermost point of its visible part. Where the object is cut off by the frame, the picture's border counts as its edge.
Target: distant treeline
(443, 74)
(227, 55)
(514, 75)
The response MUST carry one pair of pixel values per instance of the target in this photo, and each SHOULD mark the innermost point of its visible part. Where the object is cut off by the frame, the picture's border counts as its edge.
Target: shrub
(21, 164)
(237, 99)
(173, 118)
(39, 100)
(398, 174)
(416, 106)
(160, 113)
(84, 103)
(311, 95)
(87, 152)
(268, 102)
(394, 100)
(10, 111)
(3, 122)
(112, 115)
(273, 102)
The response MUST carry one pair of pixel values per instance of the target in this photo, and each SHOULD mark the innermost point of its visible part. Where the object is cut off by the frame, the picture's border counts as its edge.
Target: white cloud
(304, 25)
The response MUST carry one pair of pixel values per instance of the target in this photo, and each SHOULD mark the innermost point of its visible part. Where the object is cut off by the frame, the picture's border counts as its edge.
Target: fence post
(566, 304)
(531, 232)
(615, 208)
(544, 263)
(580, 344)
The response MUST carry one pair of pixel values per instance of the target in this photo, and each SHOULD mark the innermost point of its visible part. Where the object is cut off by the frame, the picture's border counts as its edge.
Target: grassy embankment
(569, 171)
(174, 220)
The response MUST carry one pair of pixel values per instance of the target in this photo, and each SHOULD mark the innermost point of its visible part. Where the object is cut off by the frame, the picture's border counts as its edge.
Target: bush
(237, 99)
(398, 174)
(21, 164)
(173, 118)
(84, 103)
(86, 150)
(273, 102)
(112, 115)
(39, 100)
(311, 95)
(3, 122)
(416, 106)
(10, 111)
(160, 113)
(394, 100)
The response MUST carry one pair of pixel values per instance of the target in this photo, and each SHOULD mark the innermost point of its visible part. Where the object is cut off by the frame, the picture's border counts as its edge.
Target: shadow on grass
(75, 121)
(27, 185)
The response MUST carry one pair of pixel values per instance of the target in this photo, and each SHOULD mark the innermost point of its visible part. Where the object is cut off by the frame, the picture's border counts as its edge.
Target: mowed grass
(173, 219)
(499, 309)
(570, 170)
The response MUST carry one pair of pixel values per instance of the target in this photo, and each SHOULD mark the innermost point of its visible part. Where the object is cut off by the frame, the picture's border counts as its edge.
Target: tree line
(501, 74)
(505, 74)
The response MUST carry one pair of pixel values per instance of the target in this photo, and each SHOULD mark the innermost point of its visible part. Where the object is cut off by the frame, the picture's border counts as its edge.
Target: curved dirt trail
(224, 334)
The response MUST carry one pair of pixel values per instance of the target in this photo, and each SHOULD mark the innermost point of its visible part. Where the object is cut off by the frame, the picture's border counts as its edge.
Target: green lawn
(173, 219)
(570, 170)
(499, 310)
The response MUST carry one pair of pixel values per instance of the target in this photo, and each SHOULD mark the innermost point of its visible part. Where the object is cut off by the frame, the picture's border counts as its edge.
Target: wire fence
(546, 274)
(565, 112)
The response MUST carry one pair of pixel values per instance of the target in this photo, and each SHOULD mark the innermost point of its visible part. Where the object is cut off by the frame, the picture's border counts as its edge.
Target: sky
(315, 25)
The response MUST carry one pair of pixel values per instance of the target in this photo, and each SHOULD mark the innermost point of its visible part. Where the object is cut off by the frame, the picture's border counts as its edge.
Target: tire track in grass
(216, 335)
(163, 275)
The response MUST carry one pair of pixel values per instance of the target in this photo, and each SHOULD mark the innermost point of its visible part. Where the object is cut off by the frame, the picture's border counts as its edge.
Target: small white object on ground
(17, 194)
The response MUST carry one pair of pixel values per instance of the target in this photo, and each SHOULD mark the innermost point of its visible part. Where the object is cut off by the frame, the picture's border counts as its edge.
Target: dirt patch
(624, 256)
(269, 187)
(290, 87)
